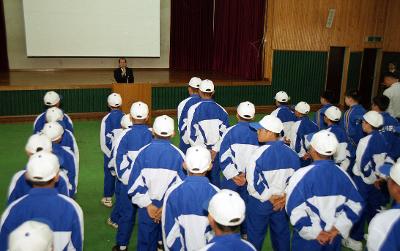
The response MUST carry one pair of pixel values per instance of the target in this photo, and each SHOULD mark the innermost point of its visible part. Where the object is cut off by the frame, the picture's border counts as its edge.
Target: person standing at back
(326, 100)
(391, 81)
(183, 109)
(207, 121)
(123, 74)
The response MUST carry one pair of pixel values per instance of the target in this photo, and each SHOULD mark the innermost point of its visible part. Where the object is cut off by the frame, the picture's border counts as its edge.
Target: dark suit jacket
(128, 78)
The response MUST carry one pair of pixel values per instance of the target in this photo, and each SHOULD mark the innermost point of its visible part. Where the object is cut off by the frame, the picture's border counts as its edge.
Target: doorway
(335, 71)
(367, 76)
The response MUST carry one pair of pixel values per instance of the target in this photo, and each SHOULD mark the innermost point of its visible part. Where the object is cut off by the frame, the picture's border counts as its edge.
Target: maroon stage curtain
(191, 37)
(3, 40)
(239, 28)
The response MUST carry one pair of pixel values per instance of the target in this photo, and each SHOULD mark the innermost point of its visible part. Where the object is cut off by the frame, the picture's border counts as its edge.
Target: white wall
(17, 49)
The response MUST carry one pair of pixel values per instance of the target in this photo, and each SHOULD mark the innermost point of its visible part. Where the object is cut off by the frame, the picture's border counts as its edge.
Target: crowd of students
(226, 185)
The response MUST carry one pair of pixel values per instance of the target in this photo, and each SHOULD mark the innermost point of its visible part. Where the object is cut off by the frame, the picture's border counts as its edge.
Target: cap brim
(385, 169)
(256, 126)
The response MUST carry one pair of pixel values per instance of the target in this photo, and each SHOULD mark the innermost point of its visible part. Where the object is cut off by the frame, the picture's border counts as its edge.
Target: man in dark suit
(123, 74)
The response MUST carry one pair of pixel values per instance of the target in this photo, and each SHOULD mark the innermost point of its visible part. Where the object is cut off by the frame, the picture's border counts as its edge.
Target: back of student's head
(354, 94)
(392, 75)
(328, 95)
(381, 101)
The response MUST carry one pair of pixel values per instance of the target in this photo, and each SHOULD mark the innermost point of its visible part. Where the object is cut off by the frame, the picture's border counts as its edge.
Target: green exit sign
(374, 39)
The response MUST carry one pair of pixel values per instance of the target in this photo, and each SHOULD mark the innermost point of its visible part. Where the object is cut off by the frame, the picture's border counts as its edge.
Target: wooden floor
(65, 78)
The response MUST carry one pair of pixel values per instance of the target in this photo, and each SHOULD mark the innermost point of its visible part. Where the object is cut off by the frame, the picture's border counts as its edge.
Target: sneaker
(118, 248)
(111, 223)
(107, 202)
(352, 244)
(160, 246)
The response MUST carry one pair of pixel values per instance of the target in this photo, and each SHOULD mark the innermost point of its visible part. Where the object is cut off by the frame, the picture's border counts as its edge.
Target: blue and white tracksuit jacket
(68, 140)
(391, 137)
(319, 197)
(182, 113)
(228, 242)
(286, 115)
(110, 123)
(157, 167)
(267, 174)
(185, 224)
(41, 120)
(300, 129)
(384, 231)
(68, 165)
(343, 153)
(20, 186)
(319, 117)
(61, 212)
(351, 122)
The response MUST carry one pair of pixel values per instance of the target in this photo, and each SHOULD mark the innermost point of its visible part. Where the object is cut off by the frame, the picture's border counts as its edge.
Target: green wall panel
(74, 100)
(353, 77)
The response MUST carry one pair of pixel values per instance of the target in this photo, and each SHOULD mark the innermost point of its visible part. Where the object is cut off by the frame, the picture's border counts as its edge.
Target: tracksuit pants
(373, 200)
(115, 213)
(109, 179)
(149, 232)
(242, 191)
(183, 146)
(127, 213)
(215, 174)
(260, 216)
(300, 244)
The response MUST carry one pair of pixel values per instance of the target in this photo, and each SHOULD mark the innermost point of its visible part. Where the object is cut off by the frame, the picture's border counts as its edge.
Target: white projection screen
(92, 28)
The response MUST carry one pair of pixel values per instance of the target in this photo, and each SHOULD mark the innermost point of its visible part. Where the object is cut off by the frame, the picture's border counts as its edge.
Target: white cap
(207, 86)
(42, 166)
(198, 159)
(282, 97)
(163, 126)
(114, 100)
(126, 121)
(302, 107)
(324, 142)
(373, 118)
(270, 123)
(54, 114)
(51, 98)
(139, 110)
(53, 130)
(195, 82)
(333, 113)
(38, 142)
(227, 208)
(31, 235)
(246, 110)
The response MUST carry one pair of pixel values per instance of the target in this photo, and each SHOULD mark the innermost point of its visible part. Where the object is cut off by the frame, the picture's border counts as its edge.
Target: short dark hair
(122, 58)
(354, 94)
(228, 228)
(328, 95)
(41, 183)
(391, 75)
(381, 101)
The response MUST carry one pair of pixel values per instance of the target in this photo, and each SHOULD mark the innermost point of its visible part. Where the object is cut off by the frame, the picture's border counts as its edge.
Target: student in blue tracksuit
(206, 123)
(184, 221)
(371, 154)
(300, 129)
(125, 153)
(384, 228)
(157, 167)
(183, 109)
(44, 202)
(69, 163)
(267, 174)
(322, 201)
(343, 156)
(326, 100)
(19, 185)
(51, 99)
(283, 112)
(237, 144)
(226, 211)
(352, 118)
(380, 104)
(126, 123)
(109, 124)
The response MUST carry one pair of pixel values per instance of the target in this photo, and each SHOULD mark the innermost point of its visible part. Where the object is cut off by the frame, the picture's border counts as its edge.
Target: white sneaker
(352, 244)
(107, 202)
